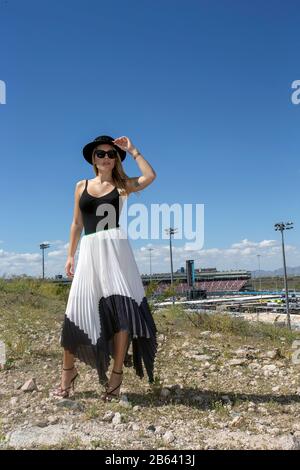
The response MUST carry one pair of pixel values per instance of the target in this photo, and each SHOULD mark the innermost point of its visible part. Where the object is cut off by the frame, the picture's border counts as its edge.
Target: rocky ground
(220, 383)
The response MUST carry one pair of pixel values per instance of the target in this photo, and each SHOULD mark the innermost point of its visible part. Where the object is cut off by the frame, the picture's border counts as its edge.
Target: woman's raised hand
(124, 143)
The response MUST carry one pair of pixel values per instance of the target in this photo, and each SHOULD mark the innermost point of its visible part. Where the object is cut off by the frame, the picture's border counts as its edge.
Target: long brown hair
(118, 174)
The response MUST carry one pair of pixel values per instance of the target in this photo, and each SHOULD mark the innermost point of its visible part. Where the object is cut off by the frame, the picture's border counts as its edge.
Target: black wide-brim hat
(101, 139)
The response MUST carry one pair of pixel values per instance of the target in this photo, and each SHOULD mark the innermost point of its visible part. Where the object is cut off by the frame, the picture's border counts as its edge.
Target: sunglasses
(102, 153)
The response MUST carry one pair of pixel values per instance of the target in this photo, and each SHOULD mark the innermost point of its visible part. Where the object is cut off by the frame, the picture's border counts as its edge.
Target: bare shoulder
(80, 184)
(79, 187)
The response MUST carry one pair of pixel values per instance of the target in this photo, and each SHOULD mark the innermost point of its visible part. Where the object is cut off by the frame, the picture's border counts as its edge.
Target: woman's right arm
(75, 232)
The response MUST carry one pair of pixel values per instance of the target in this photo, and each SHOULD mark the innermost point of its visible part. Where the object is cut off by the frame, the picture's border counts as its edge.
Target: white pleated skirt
(106, 296)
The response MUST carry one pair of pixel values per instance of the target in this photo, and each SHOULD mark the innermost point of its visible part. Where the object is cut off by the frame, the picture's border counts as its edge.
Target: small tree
(151, 288)
(171, 291)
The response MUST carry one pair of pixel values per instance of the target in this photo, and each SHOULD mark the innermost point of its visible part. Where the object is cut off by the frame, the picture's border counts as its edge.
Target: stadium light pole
(281, 227)
(43, 246)
(150, 249)
(171, 231)
(258, 256)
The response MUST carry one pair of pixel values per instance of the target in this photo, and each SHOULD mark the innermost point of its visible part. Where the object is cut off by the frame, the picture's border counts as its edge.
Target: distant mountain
(277, 272)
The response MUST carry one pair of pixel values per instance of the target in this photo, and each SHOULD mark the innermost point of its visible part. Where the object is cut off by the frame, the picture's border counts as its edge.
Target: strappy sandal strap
(109, 393)
(64, 392)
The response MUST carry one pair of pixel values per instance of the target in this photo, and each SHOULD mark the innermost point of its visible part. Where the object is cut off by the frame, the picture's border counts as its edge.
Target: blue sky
(202, 88)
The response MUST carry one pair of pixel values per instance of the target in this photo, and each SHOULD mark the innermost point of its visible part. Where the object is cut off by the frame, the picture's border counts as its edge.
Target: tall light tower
(258, 257)
(43, 246)
(171, 231)
(150, 249)
(281, 227)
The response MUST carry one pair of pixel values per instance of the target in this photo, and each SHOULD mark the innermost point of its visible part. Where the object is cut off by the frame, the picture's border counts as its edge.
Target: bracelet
(135, 156)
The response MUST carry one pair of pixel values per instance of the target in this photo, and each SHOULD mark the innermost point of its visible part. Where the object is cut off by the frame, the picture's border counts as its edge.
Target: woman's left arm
(148, 174)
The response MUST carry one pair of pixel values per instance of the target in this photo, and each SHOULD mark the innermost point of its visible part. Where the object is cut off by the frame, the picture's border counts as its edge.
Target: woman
(107, 310)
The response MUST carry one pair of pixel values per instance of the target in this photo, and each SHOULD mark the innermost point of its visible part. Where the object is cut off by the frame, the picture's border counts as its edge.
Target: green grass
(227, 324)
(31, 289)
(220, 408)
(29, 309)
(31, 312)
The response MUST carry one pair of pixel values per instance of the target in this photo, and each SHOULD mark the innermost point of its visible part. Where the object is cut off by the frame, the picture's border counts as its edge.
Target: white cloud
(240, 255)
(266, 243)
(13, 263)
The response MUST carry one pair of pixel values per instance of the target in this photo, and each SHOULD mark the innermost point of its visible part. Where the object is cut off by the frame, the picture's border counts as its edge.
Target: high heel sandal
(65, 392)
(108, 395)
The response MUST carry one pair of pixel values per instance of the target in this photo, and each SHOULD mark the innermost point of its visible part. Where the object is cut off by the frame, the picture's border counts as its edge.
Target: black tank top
(99, 213)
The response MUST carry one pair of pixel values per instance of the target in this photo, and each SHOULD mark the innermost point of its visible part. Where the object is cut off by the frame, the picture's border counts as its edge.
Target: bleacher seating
(209, 286)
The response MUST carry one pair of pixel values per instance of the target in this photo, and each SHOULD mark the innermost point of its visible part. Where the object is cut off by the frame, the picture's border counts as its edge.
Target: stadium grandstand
(208, 279)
